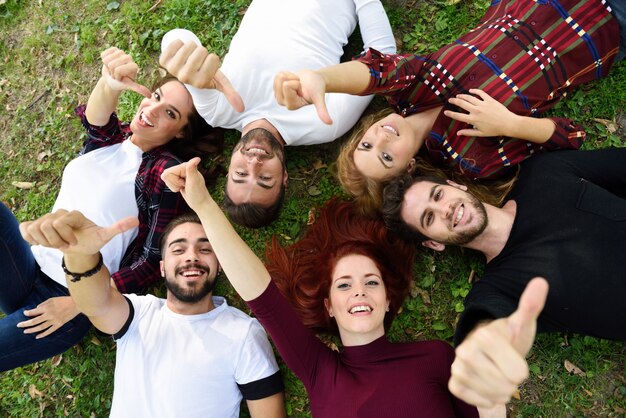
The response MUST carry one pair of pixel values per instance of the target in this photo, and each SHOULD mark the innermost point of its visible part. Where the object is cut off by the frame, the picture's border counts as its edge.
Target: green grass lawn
(49, 62)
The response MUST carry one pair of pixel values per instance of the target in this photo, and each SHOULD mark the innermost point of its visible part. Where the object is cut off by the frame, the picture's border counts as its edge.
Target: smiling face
(189, 264)
(357, 300)
(387, 148)
(257, 171)
(445, 213)
(162, 117)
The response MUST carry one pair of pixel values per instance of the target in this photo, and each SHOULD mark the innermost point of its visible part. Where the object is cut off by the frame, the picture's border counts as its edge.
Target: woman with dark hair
(349, 276)
(117, 174)
(472, 105)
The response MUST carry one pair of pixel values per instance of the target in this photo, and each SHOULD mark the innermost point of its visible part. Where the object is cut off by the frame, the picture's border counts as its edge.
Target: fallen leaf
(588, 392)
(610, 125)
(95, 341)
(471, 277)
(574, 369)
(23, 184)
(56, 360)
(418, 291)
(43, 155)
(311, 217)
(34, 392)
(319, 164)
(516, 395)
(313, 191)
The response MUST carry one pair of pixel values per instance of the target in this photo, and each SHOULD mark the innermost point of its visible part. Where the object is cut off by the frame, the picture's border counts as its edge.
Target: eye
(156, 96)
(177, 251)
(171, 114)
(343, 286)
(372, 283)
(429, 218)
(265, 178)
(387, 157)
(241, 173)
(366, 145)
(206, 250)
(438, 195)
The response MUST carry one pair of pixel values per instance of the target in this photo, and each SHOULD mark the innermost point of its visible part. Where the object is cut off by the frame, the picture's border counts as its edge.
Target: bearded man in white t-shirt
(189, 355)
(275, 36)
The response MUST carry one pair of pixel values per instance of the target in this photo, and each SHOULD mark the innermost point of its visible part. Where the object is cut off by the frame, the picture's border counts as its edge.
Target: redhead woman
(117, 174)
(349, 275)
(472, 105)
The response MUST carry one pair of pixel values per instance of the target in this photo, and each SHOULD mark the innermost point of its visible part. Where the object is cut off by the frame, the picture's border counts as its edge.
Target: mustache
(196, 266)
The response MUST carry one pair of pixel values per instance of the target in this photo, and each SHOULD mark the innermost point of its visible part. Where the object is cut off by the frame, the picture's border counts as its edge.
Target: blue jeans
(24, 286)
(619, 12)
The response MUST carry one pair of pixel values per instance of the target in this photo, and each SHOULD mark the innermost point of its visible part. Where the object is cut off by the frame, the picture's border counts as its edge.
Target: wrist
(77, 266)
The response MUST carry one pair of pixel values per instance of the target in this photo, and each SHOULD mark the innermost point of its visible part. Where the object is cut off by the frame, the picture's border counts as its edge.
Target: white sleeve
(374, 25)
(256, 358)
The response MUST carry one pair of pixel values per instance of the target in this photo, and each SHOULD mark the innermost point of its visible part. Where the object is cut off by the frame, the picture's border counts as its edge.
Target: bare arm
(270, 407)
(243, 268)
(80, 240)
(489, 117)
(119, 72)
(295, 90)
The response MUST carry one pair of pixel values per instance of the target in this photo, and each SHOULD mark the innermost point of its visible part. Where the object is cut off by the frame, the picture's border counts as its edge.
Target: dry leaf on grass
(25, 185)
(34, 392)
(95, 341)
(574, 369)
(56, 360)
(610, 125)
(516, 395)
(311, 217)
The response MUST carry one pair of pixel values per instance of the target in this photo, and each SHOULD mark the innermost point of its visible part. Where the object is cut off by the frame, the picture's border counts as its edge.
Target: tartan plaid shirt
(157, 204)
(525, 54)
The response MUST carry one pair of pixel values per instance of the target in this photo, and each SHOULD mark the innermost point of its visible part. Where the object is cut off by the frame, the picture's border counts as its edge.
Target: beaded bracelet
(77, 276)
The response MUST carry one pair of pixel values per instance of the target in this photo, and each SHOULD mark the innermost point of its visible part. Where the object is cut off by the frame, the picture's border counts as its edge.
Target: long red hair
(302, 271)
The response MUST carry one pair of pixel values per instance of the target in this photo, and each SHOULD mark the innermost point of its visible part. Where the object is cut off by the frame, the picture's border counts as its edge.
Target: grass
(49, 62)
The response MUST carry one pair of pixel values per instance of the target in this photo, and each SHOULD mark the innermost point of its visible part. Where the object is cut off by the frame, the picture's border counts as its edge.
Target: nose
(359, 290)
(192, 256)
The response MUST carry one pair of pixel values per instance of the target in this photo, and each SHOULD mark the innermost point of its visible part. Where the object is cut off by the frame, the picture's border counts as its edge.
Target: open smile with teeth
(145, 120)
(192, 273)
(360, 308)
(390, 129)
(459, 214)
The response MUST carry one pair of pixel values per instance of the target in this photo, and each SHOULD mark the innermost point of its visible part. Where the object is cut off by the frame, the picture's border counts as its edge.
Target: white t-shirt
(278, 35)
(101, 185)
(172, 365)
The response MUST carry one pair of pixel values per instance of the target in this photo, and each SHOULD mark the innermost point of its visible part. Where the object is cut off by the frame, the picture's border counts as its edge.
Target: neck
(422, 123)
(495, 236)
(202, 306)
(265, 124)
(139, 143)
(357, 339)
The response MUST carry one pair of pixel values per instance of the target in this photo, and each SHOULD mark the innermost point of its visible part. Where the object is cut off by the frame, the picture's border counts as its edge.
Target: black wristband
(77, 276)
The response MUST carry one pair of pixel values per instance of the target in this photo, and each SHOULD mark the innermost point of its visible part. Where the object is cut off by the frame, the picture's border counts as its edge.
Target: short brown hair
(189, 217)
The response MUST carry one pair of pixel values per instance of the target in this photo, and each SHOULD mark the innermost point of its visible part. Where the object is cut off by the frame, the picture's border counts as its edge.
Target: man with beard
(563, 221)
(274, 36)
(188, 355)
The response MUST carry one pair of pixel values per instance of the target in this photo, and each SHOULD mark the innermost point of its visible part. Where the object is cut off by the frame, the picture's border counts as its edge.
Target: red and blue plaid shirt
(525, 54)
(157, 204)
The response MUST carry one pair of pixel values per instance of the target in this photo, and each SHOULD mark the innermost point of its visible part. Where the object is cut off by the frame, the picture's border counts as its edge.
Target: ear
(328, 307)
(161, 268)
(434, 245)
(411, 167)
(457, 185)
(285, 177)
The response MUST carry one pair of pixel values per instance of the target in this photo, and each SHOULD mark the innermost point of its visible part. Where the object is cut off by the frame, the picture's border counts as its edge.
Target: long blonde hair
(368, 192)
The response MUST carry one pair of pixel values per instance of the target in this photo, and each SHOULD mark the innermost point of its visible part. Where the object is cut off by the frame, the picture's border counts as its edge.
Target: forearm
(537, 130)
(102, 102)
(348, 77)
(91, 294)
(244, 269)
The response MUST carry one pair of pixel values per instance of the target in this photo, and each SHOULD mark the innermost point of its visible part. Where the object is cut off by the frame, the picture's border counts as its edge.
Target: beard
(263, 134)
(191, 294)
(467, 236)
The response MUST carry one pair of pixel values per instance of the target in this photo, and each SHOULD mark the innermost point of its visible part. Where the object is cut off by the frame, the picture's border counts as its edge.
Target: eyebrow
(169, 104)
(430, 197)
(383, 162)
(184, 240)
(263, 185)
